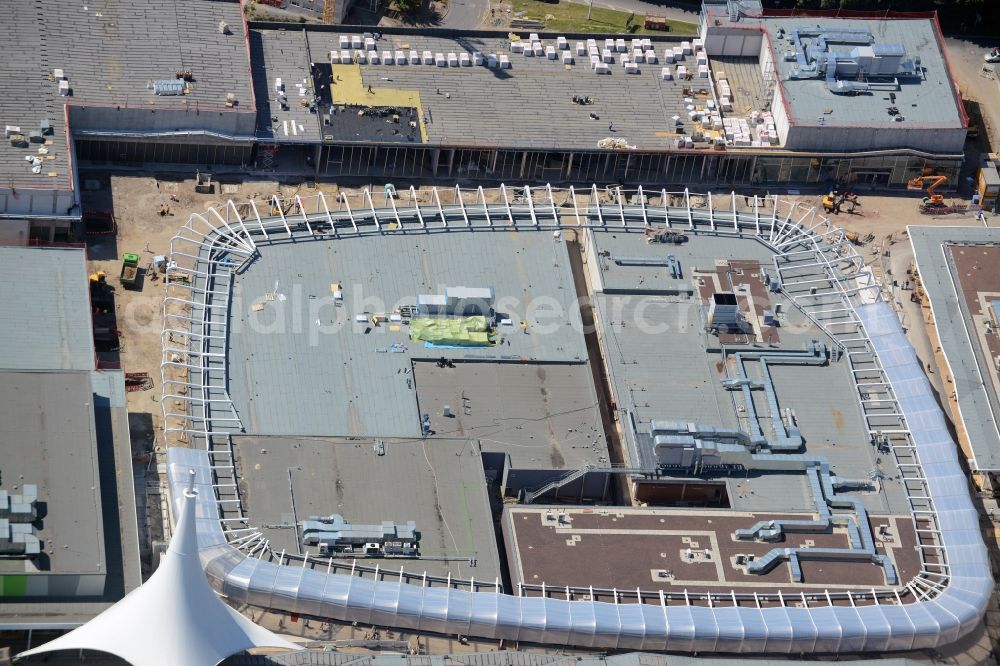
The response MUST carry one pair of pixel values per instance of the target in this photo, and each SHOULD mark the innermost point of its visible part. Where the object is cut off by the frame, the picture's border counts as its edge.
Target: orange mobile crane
(933, 203)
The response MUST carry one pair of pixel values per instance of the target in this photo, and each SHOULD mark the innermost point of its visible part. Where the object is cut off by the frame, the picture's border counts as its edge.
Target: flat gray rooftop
(47, 324)
(303, 366)
(533, 97)
(109, 51)
(284, 56)
(977, 403)
(49, 435)
(542, 416)
(929, 102)
(664, 365)
(439, 484)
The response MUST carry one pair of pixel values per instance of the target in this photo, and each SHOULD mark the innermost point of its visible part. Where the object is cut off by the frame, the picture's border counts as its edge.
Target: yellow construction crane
(329, 11)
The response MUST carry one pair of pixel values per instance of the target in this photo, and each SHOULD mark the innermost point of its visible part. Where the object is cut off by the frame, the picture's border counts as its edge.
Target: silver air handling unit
(333, 534)
(848, 71)
(17, 513)
(724, 312)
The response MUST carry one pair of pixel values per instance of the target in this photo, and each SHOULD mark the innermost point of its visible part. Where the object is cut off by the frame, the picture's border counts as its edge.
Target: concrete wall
(732, 42)
(70, 585)
(840, 139)
(119, 120)
(14, 232)
(780, 115)
(41, 202)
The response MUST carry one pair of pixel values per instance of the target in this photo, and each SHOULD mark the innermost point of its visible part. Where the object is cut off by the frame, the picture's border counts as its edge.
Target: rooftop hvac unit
(723, 312)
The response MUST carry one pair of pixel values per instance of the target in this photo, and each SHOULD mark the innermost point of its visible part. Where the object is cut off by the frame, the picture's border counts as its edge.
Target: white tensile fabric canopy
(175, 618)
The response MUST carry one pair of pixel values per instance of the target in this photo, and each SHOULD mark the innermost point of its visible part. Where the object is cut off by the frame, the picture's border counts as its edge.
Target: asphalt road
(465, 14)
(966, 59)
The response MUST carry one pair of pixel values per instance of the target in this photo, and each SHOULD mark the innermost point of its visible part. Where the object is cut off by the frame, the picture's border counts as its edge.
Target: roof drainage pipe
(788, 438)
(860, 538)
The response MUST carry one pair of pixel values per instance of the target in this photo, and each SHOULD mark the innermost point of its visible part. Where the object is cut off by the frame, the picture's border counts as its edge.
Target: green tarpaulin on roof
(465, 331)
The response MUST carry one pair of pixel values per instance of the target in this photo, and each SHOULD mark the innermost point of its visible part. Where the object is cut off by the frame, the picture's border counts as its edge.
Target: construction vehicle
(833, 201)
(98, 278)
(129, 276)
(933, 203)
(664, 235)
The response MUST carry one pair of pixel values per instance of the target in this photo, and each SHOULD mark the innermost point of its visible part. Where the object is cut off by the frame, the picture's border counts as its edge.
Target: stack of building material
(725, 93)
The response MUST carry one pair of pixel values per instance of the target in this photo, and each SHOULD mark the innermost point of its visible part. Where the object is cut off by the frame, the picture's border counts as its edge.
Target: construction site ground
(136, 201)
